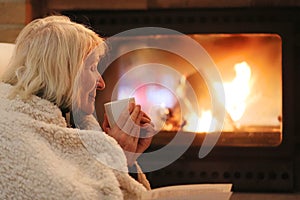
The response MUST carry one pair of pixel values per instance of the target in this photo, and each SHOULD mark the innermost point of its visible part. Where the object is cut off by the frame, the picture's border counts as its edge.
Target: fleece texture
(41, 158)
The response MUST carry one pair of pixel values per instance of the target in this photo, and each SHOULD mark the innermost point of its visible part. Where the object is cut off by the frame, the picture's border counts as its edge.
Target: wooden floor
(263, 196)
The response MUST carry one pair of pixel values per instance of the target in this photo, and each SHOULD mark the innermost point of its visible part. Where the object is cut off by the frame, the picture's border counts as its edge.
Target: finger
(148, 125)
(147, 130)
(145, 120)
(135, 115)
(124, 116)
(131, 107)
(105, 122)
(145, 115)
(135, 131)
(145, 142)
(132, 120)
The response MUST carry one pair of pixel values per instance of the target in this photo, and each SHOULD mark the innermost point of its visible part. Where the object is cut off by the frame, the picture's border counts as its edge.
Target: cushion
(6, 50)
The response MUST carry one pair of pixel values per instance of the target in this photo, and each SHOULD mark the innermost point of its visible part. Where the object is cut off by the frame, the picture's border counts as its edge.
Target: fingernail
(131, 106)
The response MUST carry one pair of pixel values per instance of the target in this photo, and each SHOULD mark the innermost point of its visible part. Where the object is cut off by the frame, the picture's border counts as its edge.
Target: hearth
(256, 51)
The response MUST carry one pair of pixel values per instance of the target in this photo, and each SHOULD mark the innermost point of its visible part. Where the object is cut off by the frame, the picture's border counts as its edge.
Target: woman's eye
(93, 68)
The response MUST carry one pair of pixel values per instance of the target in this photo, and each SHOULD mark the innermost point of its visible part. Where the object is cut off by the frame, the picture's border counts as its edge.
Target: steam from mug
(114, 109)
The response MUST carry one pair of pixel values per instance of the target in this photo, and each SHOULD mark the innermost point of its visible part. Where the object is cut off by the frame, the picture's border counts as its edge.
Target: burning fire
(236, 93)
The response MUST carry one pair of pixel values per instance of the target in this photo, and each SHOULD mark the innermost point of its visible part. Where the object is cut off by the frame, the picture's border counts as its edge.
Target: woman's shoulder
(34, 108)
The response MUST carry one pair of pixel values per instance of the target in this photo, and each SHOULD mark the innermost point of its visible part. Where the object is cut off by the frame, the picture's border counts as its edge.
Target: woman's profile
(53, 75)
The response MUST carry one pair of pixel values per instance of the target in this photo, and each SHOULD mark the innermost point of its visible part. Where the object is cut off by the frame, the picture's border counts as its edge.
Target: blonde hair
(49, 53)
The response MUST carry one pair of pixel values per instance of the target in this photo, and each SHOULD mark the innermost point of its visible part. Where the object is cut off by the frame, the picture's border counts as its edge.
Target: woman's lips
(92, 96)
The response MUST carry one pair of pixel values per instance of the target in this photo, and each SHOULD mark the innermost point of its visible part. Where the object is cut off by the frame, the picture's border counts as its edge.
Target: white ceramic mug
(114, 109)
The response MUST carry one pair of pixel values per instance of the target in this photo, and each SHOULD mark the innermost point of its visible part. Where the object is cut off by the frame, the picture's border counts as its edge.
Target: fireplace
(255, 51)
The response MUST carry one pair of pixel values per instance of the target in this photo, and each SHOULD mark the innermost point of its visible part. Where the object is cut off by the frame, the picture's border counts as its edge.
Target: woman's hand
(127, 132)
(145, 118)
(146, 135)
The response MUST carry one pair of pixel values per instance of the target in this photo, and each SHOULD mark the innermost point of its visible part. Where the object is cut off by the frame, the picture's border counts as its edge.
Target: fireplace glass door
(177, 96)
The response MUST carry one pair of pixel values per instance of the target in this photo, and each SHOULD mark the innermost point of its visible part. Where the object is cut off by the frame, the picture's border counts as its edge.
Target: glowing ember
(202, 123)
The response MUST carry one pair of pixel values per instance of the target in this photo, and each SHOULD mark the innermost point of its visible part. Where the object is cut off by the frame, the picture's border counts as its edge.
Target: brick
(12, 12)
(96, 4)
(197, 3)
(219, 3)
(9, 33)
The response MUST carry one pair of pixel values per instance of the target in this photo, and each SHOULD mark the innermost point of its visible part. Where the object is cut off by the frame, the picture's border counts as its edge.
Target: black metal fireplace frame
(248, 168)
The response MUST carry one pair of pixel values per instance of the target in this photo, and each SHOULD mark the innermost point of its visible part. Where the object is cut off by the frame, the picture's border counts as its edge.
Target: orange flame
(236, 93)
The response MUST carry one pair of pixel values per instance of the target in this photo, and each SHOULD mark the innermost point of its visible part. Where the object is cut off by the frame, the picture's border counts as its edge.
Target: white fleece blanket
(40, 158)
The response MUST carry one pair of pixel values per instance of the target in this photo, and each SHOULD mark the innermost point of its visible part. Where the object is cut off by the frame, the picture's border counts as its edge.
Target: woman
(53, 71)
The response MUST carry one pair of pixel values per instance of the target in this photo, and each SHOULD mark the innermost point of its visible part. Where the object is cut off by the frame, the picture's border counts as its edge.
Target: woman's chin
(88, 109)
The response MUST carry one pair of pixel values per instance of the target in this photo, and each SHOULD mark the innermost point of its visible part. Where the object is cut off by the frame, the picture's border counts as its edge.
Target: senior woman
(53, 71)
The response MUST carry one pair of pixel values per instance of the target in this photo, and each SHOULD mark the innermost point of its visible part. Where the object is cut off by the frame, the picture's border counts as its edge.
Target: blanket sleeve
(89, 122)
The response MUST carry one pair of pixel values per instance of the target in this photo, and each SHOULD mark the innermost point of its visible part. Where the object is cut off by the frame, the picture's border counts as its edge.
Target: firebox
(254, 51)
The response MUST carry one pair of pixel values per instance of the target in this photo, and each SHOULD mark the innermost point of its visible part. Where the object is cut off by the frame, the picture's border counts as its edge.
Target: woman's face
(90, 81)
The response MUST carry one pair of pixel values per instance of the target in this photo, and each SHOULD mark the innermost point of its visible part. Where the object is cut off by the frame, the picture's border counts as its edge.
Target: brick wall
(158, 4)
(15, 14)
(12, 18)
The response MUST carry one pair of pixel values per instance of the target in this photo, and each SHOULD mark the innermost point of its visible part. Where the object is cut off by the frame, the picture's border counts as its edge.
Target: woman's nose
(100, 83)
